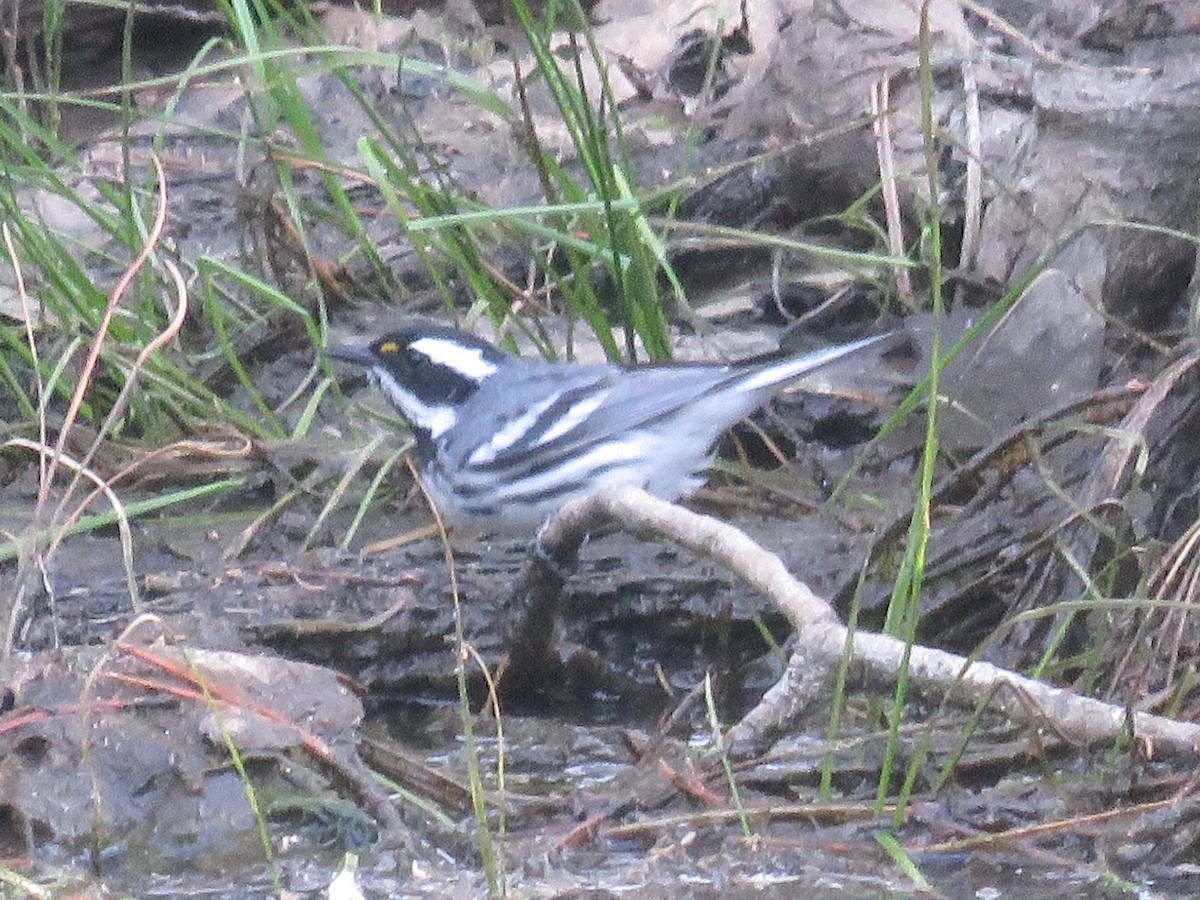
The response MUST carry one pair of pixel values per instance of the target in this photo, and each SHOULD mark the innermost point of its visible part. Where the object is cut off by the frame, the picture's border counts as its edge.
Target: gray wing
(584, 405)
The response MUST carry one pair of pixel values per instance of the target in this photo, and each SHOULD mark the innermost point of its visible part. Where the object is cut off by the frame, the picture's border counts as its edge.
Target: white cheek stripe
(510, 434)
(468, 361)
(437, 420)
(575, 416)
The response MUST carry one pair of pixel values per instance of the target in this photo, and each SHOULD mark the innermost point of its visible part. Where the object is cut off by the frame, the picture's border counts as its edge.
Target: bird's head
(426, 370)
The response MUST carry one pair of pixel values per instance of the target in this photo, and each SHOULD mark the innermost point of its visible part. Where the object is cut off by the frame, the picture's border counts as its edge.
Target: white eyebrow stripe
(511, 433)
(576, 415)
(468, 361)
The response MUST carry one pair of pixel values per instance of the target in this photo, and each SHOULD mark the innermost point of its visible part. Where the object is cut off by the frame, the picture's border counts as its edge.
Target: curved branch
(822, 639)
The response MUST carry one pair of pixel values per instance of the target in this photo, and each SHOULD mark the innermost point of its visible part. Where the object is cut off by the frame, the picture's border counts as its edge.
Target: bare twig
(973, 200)
(822, 639)
(887, 174)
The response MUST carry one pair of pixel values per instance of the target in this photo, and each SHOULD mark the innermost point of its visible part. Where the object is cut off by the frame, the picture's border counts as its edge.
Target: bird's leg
(532, 651)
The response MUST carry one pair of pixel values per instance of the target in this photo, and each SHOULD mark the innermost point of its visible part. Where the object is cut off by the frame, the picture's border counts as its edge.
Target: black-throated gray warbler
(503, 441)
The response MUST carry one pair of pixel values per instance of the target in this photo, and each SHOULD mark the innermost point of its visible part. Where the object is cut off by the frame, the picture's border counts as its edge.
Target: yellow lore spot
(389, 347)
